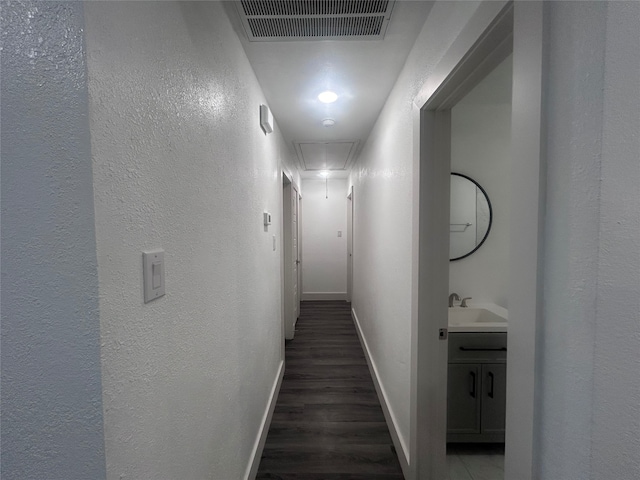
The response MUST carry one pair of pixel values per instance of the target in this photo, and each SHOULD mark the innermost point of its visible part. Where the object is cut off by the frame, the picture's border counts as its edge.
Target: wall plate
(153, 274)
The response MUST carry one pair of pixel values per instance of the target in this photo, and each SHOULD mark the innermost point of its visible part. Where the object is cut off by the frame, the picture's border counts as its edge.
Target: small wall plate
(153, 274)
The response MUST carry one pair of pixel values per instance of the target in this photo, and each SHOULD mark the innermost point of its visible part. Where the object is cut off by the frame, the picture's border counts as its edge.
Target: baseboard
(254, 462)
(401, 448)
(324, 296)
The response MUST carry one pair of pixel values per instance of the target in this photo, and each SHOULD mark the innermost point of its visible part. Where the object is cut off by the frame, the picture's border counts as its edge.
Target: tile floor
(475, 461)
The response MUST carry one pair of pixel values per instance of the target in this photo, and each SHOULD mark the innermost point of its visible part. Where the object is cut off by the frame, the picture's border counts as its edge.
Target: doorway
(480, 163)
(480, 48)
(350, 244)
(291, 254)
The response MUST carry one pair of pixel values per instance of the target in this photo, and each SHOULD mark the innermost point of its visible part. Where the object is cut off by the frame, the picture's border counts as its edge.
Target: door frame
(298, 297)
(288, 187)
(469, 58)
(350, 244)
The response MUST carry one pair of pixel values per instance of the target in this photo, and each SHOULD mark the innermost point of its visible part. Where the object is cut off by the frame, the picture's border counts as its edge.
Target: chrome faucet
(464, 302)
(452, 297)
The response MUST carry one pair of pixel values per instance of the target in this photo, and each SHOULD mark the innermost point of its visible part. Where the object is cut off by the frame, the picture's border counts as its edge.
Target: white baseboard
(401, 447)
(254, 462)
(324, 296)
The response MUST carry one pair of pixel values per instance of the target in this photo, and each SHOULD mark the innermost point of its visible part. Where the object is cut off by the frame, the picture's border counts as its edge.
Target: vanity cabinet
(476, 392)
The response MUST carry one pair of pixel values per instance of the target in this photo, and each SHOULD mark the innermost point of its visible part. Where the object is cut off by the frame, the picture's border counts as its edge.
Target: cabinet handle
(472, 375)
(490, 384)
(483, 349)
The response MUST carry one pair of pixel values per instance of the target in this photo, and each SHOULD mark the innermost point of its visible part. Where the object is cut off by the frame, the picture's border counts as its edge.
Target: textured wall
(180, 163)
(589, 380)
(51, 392)
(324, 261)
(383, 203)
(481, 149)
(616, 416)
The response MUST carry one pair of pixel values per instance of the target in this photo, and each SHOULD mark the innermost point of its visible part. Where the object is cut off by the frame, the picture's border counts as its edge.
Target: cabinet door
(463, 398)
(494, 397)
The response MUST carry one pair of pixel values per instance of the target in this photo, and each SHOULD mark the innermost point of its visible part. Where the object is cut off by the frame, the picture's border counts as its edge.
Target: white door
(350, 245)
(289, 257)
(295, 252)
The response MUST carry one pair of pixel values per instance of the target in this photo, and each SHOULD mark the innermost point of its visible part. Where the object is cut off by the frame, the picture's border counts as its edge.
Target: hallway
(328, 423)
(131, 128)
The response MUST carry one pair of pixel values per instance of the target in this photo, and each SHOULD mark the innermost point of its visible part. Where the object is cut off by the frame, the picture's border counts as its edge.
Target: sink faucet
(452, 297)
(464, 302)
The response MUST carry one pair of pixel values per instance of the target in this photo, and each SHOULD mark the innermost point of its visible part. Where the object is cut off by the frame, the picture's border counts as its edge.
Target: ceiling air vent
(275, 20)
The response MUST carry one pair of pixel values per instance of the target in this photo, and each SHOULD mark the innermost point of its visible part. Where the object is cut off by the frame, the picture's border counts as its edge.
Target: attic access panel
(278, 20)
(325, 155)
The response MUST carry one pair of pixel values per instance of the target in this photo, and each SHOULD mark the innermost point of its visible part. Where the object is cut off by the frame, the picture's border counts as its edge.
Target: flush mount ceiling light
(328, 122)
(323, 173)
(328, 97)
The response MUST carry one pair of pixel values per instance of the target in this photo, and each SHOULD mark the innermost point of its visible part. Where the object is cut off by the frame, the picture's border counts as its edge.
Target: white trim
(288, 299)
(466, 45)
(528, 184)
(258, 447)
(324, 296)
(287, 258)
(401, 446)
(350, 245)
(429, 405)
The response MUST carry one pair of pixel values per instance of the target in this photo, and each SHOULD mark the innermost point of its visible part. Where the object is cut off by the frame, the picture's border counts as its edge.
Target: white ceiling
(362, 73)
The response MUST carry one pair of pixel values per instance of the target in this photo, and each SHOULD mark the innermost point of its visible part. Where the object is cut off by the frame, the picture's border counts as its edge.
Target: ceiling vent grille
(274, 20)
(314, 7)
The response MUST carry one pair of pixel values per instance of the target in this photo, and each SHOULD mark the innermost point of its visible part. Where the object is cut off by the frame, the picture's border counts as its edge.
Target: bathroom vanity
(477, 375)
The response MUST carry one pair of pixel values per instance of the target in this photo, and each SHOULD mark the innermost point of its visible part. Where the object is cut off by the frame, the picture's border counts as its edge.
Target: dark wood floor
(328, 423)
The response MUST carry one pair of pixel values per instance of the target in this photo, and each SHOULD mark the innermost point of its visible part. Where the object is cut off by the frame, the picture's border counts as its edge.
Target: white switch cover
(153, 274)
(339, 233)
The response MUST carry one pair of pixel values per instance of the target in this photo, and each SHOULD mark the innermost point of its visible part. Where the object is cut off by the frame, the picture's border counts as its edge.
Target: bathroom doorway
(511, 28)
(480, 162)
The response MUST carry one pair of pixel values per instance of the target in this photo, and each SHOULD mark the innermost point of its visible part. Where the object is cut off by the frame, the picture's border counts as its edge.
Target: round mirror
(471, 216)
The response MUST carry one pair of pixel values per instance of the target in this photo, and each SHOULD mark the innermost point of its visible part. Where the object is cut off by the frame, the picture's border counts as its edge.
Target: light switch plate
(153, 274)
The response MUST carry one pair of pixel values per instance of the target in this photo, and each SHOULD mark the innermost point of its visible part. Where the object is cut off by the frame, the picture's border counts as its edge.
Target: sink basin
(484, 318)
(473, 315)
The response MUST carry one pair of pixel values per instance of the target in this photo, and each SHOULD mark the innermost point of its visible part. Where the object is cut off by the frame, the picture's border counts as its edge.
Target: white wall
(180, 163)
(383, 181)
(51, 389)
(481, 149)
(588, 375)
(324, 254)
(589, 369)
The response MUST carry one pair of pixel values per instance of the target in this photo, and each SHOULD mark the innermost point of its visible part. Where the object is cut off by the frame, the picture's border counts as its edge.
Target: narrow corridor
(328, 423)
